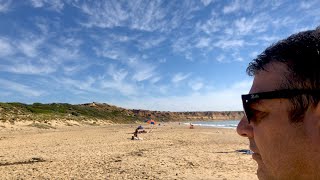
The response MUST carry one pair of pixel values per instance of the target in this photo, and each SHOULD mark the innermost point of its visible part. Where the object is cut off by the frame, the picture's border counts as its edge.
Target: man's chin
(262, 174)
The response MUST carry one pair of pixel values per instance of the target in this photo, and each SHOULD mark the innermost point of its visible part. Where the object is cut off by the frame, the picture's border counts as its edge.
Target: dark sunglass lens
(248, 112)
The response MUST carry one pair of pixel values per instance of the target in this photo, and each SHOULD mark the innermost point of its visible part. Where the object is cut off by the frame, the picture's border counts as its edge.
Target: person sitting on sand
(191, 126)
(135, 135)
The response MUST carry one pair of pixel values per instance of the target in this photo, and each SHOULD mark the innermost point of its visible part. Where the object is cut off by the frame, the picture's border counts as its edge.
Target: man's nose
(244, 128)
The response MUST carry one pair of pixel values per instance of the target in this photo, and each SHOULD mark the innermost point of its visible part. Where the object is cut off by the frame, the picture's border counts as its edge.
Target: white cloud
(213, 25)
(20, 68)
(179, 77)
(111, 54)
(269, 39)
(244, 26)
(221, 58)
(110, 49)
(143, 70)
(150, 42)
(122, 87)
(227, 99)
(196, 84)
(247, 26)
(229, 43)
(70, 42)
(203, 43)
(155, 79)
(105, 15)
(117, 75)
(6, 48)
(37, 3)
(4, 5)
(72, 69)
(137, 15)
(253, 54)
(143, 74)
(237, 5)
(29, 46)
(283, 22)
(83, 85)
(60, 54)
(181, 44)
(56, 5)
(232, 7)
(206, 2)
(20, 88)
(118, 82)
(236, 56)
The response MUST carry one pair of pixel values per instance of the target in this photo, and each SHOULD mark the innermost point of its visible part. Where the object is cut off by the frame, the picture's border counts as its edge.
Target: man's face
(281, 148)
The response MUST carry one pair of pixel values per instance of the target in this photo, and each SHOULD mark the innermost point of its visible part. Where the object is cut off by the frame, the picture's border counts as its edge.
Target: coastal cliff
(13, 112)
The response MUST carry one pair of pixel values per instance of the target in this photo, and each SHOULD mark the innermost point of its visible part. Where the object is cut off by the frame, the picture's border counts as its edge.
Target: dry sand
(106, 152)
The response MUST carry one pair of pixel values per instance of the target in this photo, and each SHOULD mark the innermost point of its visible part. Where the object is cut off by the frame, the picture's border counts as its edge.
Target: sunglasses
(248, 99)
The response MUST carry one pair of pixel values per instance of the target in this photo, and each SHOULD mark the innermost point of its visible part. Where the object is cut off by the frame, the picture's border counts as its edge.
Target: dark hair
(301, 54)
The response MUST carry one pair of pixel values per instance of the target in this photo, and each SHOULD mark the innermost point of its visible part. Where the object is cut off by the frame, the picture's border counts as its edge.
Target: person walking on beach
(282, 111)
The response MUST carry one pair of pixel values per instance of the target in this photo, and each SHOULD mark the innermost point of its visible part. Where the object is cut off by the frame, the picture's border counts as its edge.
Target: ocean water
(232, 124)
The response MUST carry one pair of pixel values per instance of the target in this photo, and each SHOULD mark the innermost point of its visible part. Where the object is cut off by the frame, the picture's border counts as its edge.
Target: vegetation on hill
(63, 111)
(96, 111)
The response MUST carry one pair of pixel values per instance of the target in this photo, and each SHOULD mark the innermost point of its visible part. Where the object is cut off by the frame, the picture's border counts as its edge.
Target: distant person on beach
(282, 111)
(135, 135)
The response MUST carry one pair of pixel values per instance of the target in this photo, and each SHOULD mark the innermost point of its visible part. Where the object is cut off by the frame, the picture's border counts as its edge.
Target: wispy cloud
(206, 2)
(229, 43)
(155, 79)
(179, 77)
(20, 88)
(232, 7)
(196, 84)
(136, 15)
(213, 25)
(4, 5)
(117, 74)
(118, 81)
(56, 5)
(269, 39)
(28, 68)
(29, 46)
(110, 49)
(79, 85)
(147, 43)
(181, 44)
(244, 26)
(122, 87)
(203, 43)
(218, 100)
(221, 58)
(6, 47)
(237, 5)
(64, 53)
(142, 70)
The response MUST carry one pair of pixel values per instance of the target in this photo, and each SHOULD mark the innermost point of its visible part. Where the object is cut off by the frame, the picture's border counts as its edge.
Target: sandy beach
(169, 151)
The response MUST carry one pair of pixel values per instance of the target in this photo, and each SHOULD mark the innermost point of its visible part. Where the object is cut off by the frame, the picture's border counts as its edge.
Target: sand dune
(106, 152)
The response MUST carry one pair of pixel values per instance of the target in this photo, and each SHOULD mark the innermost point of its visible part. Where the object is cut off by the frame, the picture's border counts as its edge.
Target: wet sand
(106, 152)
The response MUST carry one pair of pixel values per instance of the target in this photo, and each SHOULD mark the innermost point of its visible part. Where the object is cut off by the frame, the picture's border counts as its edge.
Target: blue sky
(159, 55)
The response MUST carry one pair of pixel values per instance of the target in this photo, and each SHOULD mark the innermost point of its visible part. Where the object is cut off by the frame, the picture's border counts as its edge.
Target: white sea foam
(230, 124)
